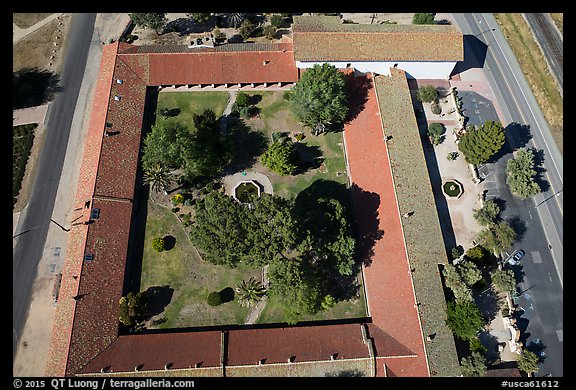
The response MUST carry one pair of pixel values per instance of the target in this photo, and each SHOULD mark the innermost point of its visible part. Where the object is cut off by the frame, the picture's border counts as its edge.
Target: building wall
(414, 70)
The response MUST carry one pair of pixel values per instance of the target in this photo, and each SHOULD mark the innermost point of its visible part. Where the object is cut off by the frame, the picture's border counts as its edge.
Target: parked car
(516, 256)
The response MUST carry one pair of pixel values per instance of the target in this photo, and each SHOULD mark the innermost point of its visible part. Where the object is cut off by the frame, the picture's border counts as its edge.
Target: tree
(199, 17)
(503, 280)
(478, 146)
(528, 362)
(157, 177)
(246, 28)
(497, 238)
(298, 290)
(251, 292)
(219, 36)
(464, 319)
(319, 97)
(473, 365)
(423, 18)
(281, 157)
(218, 232)
(235, 19)
(155, 21)
(436, 133)
(166, 145)
(520, 174)
(427, 94)
(454, 281)
(488, 214)
(270, 31)
(133, 308)
(469, 272)
(277, 20)
(477, 254)
(158, 244)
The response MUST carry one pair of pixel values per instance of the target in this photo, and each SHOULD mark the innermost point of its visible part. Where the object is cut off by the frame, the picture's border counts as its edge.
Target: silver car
(516, 256)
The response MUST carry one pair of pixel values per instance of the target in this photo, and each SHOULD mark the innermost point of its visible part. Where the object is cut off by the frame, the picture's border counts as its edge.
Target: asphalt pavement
(539, 219)
(34, 223)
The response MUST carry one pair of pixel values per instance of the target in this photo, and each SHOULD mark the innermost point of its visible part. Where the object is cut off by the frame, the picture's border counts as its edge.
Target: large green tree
(469, 272)
(520, 174)
(296, 287)
(155, 21)
(319, 97)
(329, 243)
(488, 214)
(503, 280)
(497, 238)
(528, 362)
(464, 319)
(218, 231)
(479, 145)
(199, 17)
(454, 281)
(473, 365)
(281, 157)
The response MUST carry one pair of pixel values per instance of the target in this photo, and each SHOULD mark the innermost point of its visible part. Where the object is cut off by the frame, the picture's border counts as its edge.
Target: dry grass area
(559, 20)
(35, 50)
(535, 70)
(25, 20)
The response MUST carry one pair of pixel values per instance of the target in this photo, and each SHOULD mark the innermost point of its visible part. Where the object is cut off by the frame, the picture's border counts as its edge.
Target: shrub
(427, 94)
(177, 199)
(477, 254)
(457, 251)
(158, 244)
(277, 21)
(423, 18)
(219, 36)
(282, 158)
(436, 133)
(299, 136)
(175, 209)
(436, 109)
(214, 299)
(452, 156)
(270, 32)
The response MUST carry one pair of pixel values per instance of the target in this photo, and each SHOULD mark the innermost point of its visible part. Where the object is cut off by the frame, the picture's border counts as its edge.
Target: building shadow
(357, 94)
(474, 54)
(140, 204)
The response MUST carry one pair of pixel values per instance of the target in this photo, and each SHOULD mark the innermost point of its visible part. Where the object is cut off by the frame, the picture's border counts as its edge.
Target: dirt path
(20, 33)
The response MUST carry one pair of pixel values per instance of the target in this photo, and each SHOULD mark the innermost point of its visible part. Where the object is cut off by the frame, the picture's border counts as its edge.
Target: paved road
(550, 42)
(541, 217)
(33, 226)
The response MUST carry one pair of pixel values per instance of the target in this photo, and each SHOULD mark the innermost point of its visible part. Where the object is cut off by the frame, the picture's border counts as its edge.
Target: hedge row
(23, 138)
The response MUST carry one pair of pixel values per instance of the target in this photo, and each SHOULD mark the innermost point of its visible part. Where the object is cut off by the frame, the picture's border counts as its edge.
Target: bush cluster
(23, 138)
(158, 244)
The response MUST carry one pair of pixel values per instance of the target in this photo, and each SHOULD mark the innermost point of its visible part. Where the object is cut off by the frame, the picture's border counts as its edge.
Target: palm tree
(235, 19)
(250, 291)
(157, 177)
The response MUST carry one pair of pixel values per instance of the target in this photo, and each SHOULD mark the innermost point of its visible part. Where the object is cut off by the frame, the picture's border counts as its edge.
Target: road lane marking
(536, 257)
(560, 335)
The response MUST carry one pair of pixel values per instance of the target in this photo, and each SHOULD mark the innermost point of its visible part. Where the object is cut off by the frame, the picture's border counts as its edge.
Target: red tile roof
(101, 282)
(304, 344)
(326, 38)
(155, 351)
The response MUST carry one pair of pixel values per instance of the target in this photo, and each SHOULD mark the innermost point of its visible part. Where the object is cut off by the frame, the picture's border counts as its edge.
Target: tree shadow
(521, 134)
(357, 94)
(366, 222)
(310, 157)
(488, 302)
(254, 99)
(540, 170)
(519, 227)
(33, 87)
(169, 242)
(537, 347)
(501, 203)
(247, 145)
(158, 298)
(322, 188)
(491, 344)
(226, 294)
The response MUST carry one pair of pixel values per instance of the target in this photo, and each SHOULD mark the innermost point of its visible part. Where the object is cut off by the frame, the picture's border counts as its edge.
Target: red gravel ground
(389, 289)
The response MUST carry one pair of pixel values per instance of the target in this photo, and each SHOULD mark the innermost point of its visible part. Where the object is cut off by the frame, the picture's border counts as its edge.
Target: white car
(516, 256)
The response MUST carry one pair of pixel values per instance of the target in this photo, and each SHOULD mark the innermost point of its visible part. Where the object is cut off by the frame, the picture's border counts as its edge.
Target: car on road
(516, 256)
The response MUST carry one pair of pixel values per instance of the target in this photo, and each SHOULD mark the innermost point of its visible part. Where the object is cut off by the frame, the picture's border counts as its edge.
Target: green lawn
(192, 278)
(276, 116)
(191, 103)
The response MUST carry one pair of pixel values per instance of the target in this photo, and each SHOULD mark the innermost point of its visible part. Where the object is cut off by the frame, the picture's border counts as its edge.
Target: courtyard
(178, 279)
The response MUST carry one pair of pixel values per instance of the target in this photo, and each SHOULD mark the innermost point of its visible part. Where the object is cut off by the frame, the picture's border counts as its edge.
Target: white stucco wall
(414, 70)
